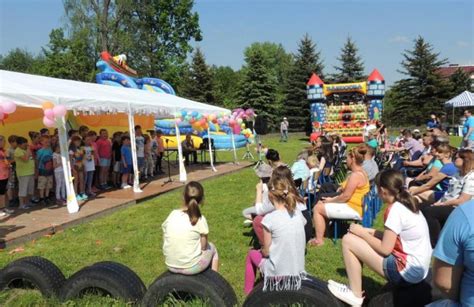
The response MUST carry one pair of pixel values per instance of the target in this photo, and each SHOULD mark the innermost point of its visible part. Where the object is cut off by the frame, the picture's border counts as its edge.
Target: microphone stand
(169, 180)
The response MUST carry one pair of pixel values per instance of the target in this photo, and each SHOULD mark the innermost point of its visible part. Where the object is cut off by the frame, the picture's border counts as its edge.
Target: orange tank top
(355, 202)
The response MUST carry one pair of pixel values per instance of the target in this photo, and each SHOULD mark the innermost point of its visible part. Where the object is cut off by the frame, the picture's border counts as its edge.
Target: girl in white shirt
(401, 253)
(185, 245)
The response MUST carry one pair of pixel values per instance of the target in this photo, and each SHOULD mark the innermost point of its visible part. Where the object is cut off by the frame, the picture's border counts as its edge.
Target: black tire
(420, 294)
(208, 286)
(33, 272)
(106, 278)
(313, 292)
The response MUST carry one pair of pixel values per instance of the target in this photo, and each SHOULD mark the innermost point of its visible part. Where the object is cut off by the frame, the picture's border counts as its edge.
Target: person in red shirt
(104, 150)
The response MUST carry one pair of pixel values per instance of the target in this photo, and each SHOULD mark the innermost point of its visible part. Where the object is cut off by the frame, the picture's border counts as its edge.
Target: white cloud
(462, 44)
(399, 39)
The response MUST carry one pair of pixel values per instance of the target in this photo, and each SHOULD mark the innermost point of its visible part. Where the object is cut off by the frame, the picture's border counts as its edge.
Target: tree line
(157, 38)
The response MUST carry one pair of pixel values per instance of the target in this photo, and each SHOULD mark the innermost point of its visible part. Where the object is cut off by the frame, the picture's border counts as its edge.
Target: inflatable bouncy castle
(114, 71)
(345, 108)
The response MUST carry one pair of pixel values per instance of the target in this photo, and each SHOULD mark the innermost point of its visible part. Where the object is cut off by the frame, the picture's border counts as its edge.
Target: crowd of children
(32, 171)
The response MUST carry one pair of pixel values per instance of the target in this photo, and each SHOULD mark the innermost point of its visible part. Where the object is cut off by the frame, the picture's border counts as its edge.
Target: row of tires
(118, 281)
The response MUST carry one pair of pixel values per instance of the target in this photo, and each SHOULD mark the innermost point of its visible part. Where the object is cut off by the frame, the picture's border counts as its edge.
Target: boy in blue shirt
(127, 166)
(453, 267)
(44, 158)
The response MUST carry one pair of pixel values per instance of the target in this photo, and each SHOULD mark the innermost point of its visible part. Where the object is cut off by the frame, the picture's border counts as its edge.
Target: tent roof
(465, 99)
(32, 91)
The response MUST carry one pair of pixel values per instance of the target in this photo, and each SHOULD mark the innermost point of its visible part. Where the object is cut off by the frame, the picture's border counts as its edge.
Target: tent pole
(136, 173)
(72, 205)
(233, 148)
(211, 158)
(183, 177)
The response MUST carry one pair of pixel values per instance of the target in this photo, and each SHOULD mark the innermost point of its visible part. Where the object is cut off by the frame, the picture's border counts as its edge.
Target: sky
(381, 29)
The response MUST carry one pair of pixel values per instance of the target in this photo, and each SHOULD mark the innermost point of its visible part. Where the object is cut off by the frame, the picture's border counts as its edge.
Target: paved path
(27, 225)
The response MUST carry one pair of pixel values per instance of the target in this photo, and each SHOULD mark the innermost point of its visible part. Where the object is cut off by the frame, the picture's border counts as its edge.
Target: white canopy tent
(90, 98)
(463, 100)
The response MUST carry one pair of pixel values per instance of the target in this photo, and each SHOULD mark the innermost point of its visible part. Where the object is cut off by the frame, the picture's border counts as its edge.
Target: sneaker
(346, 295)
(248, 223)
(84, 196)
(3, 214)
(78, 197)
(337, 284)
(126, 186)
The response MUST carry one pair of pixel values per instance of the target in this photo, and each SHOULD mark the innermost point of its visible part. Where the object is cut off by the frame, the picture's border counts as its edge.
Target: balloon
(47, 105)
(192, 121)
(177, 120)
(2, 116)
(8, 107)
(184, 113)
(236, 129)
(212, 117)
(202, 121)
(59, 111)
(215, 121)
(48, 122)
(242, 126)
(194, 114)
(199, 116)
(5, 116)
(49, 113)
(239, 120)
(232, 122)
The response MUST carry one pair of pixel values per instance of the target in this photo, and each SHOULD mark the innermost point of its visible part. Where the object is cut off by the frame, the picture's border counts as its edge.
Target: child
(104, 151)
(313, 164)
(89, 164)
(401, 253)
(281, 259)
(149, 165)
(160, 149)
(154, 149)
(126, 167)
(44, 160)
(300, 169)
(76, 154)
(4, 175)
(116, 158)
(140, 142)
(12, 186)
(185, 243)
(59, 176)
(25, 170)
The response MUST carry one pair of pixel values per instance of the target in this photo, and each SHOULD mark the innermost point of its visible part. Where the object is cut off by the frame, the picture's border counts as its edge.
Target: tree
(19, 60)
(296, 106)
(154, 34)
(257, 88)
(460, 82)
(225, 81)
(199, 83)
(68, 58)
(423, 91)
(351, 68)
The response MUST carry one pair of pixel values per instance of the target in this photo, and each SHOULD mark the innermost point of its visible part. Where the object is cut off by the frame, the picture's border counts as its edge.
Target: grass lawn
(133, 237)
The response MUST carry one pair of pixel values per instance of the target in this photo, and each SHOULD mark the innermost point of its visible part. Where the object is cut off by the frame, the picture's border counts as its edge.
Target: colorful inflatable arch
(345, 108)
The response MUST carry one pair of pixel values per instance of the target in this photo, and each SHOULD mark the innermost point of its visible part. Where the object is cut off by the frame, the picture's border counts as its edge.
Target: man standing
(468, 130)
(284, 130)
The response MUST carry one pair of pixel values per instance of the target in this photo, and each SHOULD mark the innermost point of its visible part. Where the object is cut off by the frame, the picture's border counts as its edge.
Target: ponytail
(283, 189)
(393, 181)
(193, 197)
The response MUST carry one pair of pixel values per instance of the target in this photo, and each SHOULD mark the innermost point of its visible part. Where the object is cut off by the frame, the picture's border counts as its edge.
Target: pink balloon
(49, 113)
(237, 129)
(9, 107)
(2, 116)
(178, 120)
(48, 122)
(59, 111)
(232, 122)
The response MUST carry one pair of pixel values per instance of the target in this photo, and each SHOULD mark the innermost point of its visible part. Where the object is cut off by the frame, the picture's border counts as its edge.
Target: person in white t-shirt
(185, 244)
(401, 253)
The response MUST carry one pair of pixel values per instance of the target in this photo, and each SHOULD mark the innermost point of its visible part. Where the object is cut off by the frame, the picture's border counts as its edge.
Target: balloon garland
(52, 113)
(6, 108)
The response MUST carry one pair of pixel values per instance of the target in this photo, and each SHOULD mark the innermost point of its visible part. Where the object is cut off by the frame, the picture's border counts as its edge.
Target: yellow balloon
(47, 105)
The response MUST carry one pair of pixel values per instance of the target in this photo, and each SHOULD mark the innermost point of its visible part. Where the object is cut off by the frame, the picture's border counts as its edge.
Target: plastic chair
(366, 217)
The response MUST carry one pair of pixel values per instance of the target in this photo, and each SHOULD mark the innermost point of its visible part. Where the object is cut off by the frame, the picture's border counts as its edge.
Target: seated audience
(431, 170)
(435, 188)
(401, 253)
(185, 236)
(273, 158)
(460, 190)
(300, 169)
(415, 167)
(369, 165)
(281, 259)
(453, 265)
(348, 204)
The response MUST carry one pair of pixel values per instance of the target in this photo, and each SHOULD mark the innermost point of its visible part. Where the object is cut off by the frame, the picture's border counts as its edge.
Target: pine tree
(199, 82)
(351, 68)
(460, 82)
(296, 106)
(257, 89)
(423, 91)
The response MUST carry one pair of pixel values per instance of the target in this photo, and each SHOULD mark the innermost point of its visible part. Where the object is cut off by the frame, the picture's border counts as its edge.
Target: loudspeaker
(261, 125)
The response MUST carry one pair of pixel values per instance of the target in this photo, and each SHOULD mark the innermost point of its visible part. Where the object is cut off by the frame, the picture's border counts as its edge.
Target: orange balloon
(47, 105)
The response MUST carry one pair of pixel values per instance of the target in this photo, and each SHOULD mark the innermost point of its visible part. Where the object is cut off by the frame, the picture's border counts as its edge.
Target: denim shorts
(391, 272)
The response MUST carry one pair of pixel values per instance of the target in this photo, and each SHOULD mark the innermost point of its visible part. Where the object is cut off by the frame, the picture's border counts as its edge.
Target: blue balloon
(194, 114)
(184, 113)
